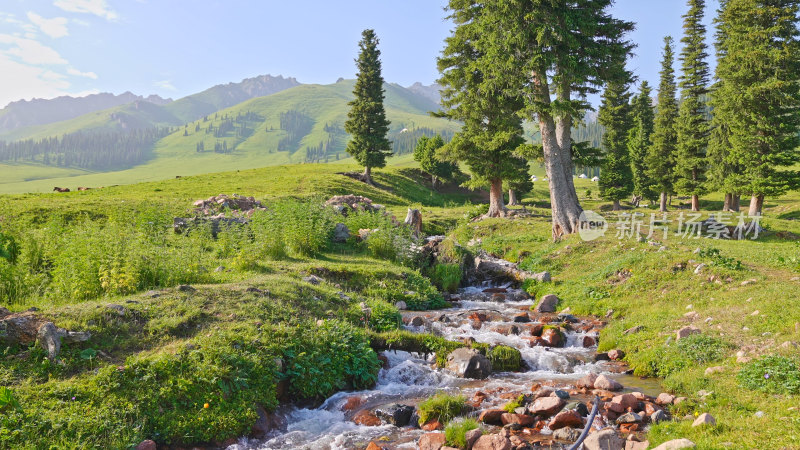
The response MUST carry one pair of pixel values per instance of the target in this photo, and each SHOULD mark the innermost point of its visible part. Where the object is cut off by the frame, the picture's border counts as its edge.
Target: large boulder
(341, 233)
(606, 439)
(704, 419)
(468, 363)
(547, 304)
(26, 328)
(492, 416)
(547, 406)
(605, 383)
(564, 419)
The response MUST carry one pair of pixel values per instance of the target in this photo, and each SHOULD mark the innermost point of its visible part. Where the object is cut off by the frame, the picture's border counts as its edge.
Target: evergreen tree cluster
(86, 150)
(406, 141)
(297, 125)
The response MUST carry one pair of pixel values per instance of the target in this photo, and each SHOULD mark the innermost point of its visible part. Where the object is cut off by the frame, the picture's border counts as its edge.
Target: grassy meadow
(246, 332)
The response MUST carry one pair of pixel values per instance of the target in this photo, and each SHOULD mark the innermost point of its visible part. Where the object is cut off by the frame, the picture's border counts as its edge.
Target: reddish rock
(492, 442)
(686, 332)
(495, 290)
(366, 418)
(536, 329)
(641, 397)
(664, 399)
(603, 394)
(616, 407)
(603, 382)
(589, 341)
(471, 436)
(535, 341)
(480, 317)
(616, 355)
(553, 337)
(563, 419)
(628, 428)
(587, 381)
(547, 406)
(373, 446)
(431, 441)
(521, 419)
(522, 318)
(146, 445)
(651, 408)
(432, 425)
(627, 401)
(498, 298)
(492, 416)
(476, 324)
(352, 403)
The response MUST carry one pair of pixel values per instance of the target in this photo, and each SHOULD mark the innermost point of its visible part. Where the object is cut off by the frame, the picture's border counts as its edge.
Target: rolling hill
(303, 123)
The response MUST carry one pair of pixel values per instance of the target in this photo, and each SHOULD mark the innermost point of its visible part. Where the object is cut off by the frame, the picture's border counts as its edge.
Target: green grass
(442, 407)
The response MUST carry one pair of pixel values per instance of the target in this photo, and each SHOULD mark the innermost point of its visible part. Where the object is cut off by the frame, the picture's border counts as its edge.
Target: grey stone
(547, 304)
(567, 434)
(676, 444)
(341, 233)
(395, 414)
(468, 363)
(606, 439)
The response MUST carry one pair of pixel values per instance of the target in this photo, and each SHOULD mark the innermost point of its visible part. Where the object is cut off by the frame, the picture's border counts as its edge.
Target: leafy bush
(306, 225)
(772, 374)
(383, 317)
(7, 400)
(442, 407)
(415, 290)
(446, 276)
(333, 356)
(717, 259)
(9, 250)
(456, 431)
(476, 211)
(505, 359)
(701, 348)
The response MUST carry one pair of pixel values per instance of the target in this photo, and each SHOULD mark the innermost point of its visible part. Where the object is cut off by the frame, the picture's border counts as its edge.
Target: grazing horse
(81, 188)
(59, 189)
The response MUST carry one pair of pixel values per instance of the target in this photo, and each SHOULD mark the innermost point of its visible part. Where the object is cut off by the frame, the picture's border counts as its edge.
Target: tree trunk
(616, 206)
(512, 198)
(663, 202)
(695, 203)
(367, 176)
(736, 202)
(726, 205)
(496, 207)
(564, 205)
(756, 204)
(434, 181)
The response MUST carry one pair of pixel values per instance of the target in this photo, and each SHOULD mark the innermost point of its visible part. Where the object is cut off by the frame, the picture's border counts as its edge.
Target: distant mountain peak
(431, 92)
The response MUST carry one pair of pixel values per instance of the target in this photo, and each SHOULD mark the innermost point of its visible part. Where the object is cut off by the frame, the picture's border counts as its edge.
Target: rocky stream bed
(562, 374)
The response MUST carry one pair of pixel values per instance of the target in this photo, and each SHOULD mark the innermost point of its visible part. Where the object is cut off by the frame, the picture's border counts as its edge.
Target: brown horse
(81, 188)
(59, 189)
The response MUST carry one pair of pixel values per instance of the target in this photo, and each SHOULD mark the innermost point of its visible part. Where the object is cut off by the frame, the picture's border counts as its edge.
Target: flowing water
(411, 378)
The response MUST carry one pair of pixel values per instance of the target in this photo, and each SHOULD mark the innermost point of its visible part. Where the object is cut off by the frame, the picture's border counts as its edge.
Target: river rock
(468, 363)
(471, 436)
(401, 305)
(547, 304)
(664, 399)
(687, 331)
(560, 393)
(676, 444)
(367, 419)
(518, 419)
(627, 401)
(603, 382)
(417, 321)
(353, 403)
(522, 318)
(565, 419)
(341, 233)
(629, 418)
(492, 416)
(589, 341)
(616, 355)
(266, 423)
(579, 407)
(431, 441)
(395, 414)
(606, 439)
(546, 406)
(432, 425)
(650, 408)
(704, 419)
(658, 416)
(147, 445)
(634, 445)
(567, 434)
(587, 381)
(553, 338)
(492, 442)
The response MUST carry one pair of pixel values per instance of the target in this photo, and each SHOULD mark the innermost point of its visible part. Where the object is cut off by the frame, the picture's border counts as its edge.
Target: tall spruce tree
(639, 141)
(692, 124)
(550, 54)
(757, 104)
(661, 155)
(366, 120)
(616, 179)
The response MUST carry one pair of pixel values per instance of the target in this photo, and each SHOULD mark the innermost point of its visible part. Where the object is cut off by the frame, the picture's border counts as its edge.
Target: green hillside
(253, 138)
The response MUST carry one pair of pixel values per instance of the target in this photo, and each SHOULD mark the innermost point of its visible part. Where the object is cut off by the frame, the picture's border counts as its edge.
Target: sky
(175, 48)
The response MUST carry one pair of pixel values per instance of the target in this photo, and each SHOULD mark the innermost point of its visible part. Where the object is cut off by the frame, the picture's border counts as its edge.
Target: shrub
(383, 317)
(415, 290)
(717, 259)
(447, 276)
(772, 374)
(442, 407)
(476, 211)
(306, 226)
(456, 431)
(702, 348)
(505, 359)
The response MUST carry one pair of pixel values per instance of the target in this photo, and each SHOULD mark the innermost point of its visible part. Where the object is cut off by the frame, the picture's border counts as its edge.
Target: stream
(409, 378)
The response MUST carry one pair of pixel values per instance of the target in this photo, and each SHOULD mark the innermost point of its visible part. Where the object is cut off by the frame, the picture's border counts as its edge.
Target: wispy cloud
(27, 81)
(30, 51)
(165, 84)
(55, 27)
(97, 7)
(77, 73)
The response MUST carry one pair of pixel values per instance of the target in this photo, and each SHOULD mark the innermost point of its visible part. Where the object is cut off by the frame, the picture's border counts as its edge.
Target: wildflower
(206, 406)
(73, 399)
(766, 376)
(696, 413)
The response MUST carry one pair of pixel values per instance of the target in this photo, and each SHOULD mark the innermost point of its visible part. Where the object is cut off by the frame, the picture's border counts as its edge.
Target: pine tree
(366, 120)
(758, 102)
(616, 179)
(639, 141)
(425, 153)
(692, 124)
(549, 55)
(661, 155)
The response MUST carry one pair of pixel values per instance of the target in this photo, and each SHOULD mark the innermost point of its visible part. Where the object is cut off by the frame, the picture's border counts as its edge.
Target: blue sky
(178, 47)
